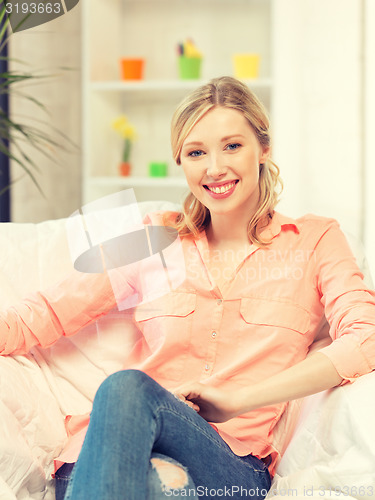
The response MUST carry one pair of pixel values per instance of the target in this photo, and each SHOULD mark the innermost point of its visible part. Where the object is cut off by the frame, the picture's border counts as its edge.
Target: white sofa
(333, 448)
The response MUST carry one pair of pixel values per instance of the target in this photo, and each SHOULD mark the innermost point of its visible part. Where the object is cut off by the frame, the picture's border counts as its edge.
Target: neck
(223, 230)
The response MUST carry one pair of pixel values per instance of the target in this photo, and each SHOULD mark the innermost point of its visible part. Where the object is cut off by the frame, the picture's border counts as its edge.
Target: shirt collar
(273, 229)
(277, 223)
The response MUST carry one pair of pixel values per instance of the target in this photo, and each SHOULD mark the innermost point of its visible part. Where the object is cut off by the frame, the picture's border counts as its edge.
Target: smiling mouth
(221, 189)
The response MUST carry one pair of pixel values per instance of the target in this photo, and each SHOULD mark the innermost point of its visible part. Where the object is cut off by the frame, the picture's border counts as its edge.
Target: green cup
(158, 169)
(189, 67)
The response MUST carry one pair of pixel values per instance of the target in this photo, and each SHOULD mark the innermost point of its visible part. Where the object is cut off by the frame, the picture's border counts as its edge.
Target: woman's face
(220, 158)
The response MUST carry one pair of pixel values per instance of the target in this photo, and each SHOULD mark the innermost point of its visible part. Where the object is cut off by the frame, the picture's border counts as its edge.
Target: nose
(216, 167)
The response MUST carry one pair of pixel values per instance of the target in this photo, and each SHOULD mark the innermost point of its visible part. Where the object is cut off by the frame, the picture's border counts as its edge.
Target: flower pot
(189, 67)
(157, 169)
(131, 69)
(246, 65)
(124, 168)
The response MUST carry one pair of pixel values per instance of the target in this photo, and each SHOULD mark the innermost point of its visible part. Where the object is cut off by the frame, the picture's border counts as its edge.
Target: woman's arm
(349, 306)
(350, 311)
(43, 317)
(82, 298)
(316, 373)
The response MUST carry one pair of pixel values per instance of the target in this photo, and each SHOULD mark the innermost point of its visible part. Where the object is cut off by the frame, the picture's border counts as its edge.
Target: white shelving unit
(151, 29)
(164, 86)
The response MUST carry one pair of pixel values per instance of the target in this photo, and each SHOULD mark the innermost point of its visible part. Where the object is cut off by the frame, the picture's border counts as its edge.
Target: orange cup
(131, 68)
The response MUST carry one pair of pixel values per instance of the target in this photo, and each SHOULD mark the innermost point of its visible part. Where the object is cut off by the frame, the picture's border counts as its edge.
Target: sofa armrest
(333, 447)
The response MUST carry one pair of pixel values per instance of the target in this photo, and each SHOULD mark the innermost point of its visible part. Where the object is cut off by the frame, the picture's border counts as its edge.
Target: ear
(265, 155)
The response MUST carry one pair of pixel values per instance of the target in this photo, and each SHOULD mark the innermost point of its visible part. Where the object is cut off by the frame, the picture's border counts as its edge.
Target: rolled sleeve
(62, 310)
(349, 306)
(350, 358)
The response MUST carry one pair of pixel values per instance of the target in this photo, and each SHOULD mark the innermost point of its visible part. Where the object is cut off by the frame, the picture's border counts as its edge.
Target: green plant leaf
(15, 134)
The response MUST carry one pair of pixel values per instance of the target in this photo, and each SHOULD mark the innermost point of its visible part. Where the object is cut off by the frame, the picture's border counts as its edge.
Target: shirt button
(207, 367)
(214, 334)
(219, 301)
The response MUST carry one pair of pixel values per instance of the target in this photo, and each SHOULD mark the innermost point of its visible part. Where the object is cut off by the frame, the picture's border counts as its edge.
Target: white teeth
(222, 189)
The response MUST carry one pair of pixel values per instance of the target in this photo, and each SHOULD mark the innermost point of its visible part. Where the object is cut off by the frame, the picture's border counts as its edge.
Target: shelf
(137, 181)
(131, 30)
(164, 85)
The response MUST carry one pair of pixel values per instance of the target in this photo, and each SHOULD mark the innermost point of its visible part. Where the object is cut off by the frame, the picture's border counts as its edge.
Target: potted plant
(14, 134)
(127, 131)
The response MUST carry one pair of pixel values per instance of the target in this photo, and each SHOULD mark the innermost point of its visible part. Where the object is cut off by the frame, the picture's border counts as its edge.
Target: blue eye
(196, 152)
(233, 146)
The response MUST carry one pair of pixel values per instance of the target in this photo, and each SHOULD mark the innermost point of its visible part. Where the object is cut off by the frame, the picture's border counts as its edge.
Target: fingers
(187, 402)
(188, 395)
(189, 391)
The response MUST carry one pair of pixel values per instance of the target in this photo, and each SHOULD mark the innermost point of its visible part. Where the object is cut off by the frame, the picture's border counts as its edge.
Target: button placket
(217, 304)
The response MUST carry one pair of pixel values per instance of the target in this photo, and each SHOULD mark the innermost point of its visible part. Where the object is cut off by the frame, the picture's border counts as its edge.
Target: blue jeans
(162, 472)
(134, 417)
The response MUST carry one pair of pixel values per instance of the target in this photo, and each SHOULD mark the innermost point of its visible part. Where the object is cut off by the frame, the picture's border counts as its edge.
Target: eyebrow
(193, 143)
(228, 137)
(224, 139)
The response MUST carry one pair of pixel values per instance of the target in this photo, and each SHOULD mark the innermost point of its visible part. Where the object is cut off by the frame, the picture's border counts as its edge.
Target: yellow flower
(127, 132)
(124, 128)
(190, 50)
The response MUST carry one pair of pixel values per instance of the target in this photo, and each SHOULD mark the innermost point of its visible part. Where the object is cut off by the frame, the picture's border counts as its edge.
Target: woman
(231, 341)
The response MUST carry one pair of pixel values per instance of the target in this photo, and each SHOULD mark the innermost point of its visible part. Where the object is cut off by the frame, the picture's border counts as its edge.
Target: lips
(222, 189)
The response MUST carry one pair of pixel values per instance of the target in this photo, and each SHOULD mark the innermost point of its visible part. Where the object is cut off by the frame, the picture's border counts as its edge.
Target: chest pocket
(166, 324)
(278, 313)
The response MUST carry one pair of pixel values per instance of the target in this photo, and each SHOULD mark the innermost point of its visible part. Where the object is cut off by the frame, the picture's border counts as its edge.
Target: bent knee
(170, 474)
(122, 382)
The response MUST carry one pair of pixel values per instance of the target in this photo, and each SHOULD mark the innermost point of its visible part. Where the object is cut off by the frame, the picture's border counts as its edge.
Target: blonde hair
(229, 93)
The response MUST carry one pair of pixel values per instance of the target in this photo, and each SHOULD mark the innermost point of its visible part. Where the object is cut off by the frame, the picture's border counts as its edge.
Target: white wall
(324, 139)
(369, 134)
(50, 49)
(317, 106)
(319, 113)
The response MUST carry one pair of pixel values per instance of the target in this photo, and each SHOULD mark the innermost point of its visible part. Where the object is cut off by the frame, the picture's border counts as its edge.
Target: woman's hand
(314, 374)
(213, 404)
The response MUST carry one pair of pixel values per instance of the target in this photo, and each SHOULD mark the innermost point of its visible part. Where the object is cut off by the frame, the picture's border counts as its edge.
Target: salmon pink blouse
(262, 321)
